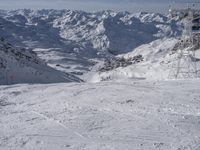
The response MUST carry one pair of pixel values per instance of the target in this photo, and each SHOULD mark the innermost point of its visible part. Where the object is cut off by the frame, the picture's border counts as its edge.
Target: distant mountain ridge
(73, 41)
(83, 32)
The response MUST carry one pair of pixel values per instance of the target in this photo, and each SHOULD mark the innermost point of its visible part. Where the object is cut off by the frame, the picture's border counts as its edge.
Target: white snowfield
(125, 115)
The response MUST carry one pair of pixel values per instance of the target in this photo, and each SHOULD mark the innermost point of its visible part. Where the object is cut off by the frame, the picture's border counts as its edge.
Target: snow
(158, 62)
(88, 36)
(129, 114)
(23, 66)
(137, 108)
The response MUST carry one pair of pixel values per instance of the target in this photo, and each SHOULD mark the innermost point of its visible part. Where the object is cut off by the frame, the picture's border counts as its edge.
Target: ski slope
(125, 115)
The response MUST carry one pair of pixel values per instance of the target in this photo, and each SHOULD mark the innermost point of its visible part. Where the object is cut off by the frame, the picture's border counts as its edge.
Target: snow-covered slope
(77, 38)
(155, 60)
(18, 65)
(131, 115)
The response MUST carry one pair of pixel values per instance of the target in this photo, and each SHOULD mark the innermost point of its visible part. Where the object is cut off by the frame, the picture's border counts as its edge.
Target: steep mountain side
(19, 65)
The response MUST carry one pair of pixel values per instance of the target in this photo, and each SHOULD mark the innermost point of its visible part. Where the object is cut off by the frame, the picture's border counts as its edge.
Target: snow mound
(19, 65)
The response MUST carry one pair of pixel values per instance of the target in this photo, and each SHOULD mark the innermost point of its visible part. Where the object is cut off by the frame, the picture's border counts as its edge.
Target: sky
(93, 5)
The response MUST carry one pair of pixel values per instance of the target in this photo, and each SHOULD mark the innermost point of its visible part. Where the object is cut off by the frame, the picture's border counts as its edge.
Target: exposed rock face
(117, 62)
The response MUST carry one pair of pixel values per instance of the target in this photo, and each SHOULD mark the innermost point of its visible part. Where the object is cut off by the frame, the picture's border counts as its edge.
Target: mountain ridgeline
(83, 33)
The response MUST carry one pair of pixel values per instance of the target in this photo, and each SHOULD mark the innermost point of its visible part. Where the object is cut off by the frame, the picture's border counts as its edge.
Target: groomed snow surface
(121, 115)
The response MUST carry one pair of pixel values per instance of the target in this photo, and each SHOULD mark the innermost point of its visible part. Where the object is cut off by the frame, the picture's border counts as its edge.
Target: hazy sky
(92, 5)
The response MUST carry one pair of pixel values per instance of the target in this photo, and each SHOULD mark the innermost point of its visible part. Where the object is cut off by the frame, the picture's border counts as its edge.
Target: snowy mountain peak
(105, 31)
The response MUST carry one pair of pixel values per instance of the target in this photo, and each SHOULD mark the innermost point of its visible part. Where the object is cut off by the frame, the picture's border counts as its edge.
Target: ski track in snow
(128, 115)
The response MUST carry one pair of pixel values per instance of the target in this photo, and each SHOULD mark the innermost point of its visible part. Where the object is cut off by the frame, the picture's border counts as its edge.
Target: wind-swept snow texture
(126, 115)
(76, 38)
(18, 65)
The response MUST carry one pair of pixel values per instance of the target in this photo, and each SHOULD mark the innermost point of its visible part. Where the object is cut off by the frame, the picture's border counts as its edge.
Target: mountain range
(74, 41)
